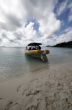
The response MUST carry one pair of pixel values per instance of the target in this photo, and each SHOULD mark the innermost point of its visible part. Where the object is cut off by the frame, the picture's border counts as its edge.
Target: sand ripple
(50, 92)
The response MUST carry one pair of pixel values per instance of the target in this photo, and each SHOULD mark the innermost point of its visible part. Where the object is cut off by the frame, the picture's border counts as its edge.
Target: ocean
(14, 63)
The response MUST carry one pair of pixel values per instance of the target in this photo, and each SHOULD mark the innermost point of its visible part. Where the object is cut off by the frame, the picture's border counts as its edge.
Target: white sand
(44, 90)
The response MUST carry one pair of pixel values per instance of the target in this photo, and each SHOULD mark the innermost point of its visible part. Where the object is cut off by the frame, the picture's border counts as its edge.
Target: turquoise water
(13, 61)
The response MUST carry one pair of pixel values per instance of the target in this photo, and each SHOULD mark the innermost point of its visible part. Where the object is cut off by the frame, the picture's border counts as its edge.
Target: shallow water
(13, 61)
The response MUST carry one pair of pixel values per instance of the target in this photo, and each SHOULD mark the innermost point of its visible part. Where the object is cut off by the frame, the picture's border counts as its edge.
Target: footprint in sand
(34, 87)
(8, 105)
(13, 106)
(1, 98)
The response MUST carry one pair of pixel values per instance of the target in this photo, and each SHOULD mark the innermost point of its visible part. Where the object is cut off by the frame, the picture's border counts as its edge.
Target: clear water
(13, 61)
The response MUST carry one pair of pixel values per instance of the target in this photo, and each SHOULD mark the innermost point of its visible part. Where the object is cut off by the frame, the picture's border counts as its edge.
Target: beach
(35, 54)
(48, 87)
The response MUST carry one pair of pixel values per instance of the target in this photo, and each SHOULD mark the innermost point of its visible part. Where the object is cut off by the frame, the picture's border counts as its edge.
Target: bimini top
(34, 44)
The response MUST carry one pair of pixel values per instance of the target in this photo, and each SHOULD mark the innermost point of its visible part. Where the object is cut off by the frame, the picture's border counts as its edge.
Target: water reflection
(36, 64)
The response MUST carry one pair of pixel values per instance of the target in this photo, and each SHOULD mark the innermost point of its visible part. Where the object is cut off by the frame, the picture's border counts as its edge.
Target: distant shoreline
(63, 45)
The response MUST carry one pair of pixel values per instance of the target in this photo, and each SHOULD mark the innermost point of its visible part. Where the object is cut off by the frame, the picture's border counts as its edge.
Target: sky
(26, 21)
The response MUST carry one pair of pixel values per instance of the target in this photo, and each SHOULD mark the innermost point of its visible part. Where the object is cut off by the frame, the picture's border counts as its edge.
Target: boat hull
(40, 54)
(36, 52)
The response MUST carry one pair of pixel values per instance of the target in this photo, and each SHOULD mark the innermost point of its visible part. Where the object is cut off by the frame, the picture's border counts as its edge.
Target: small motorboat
(34, 50)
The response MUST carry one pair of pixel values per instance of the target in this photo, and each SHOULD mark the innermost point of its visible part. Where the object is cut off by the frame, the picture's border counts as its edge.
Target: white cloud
(70, 17)
(29, 32)
(12, 7)
(70, 5)
(63, 37)
(62, 7)
(66, 4)
(22, 36)
(14, 15)
(66, 36)
(13, 20)
(70, 14)
(49, 25)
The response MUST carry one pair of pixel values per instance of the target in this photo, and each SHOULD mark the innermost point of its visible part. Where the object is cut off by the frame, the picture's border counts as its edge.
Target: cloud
(11, 7)
(70, 13)
(70, 17)
(66, 36)
(38, 8)
(18, 20)
(63, 37)
(62, 7)
(50, 25)
(11, 14)
(20, 37)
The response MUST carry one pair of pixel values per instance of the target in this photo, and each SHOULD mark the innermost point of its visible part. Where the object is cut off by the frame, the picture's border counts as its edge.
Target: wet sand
(43, 90)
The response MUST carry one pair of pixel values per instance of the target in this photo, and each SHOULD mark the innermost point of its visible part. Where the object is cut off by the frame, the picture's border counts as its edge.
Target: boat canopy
(34, 44)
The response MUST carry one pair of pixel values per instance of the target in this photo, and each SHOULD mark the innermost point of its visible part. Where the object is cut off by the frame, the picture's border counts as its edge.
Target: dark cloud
(4, 35)
(40, 3)
(37, 8)
(12, 23)
(13, 41)
(18, 36)
(13, 20)
(34, 2)
(0, 40)
(37, 3)
(3, 26)
(8, 26)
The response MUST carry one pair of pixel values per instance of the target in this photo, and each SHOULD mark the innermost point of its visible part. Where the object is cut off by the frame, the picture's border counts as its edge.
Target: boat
(34, 50)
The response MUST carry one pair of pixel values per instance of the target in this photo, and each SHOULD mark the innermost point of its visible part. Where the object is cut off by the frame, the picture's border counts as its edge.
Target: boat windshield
(33, 48)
